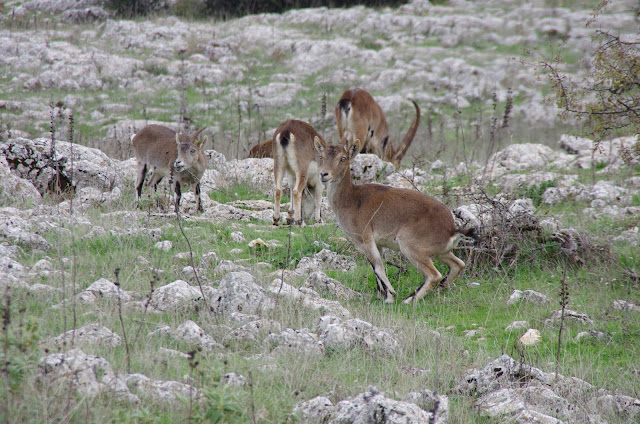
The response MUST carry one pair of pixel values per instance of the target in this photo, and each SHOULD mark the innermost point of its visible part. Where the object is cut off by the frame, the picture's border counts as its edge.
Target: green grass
(278, 383)
(341, 374)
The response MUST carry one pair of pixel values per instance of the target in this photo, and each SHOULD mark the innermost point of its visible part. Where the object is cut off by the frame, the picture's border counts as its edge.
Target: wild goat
(374, 216)
(163, 152)
(262, 150)
(294, 153)
(357, 112)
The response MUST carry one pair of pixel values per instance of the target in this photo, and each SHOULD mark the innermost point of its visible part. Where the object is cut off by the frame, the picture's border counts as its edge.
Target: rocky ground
(505, 388)
(243, 77)
(107, 70)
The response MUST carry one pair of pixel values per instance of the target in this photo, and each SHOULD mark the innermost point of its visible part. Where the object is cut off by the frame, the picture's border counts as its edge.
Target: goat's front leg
(178, 195)
(196, 190)
(385, 289)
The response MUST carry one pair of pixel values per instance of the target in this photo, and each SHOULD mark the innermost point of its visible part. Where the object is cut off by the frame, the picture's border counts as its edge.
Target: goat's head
(336, 158)
(190, 150)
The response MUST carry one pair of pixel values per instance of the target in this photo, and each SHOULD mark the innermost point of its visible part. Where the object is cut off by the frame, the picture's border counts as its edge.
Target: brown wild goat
(374, 216)
(262, 150)
(359, 113)
(294, 153)
(165, 153)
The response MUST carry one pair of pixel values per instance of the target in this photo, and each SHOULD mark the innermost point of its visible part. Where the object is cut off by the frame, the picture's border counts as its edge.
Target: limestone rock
(191, 333)
(369, 168)
(174, 295)
(344, 335)
(543, 397)
(299, 341)
(321, 283)
(323, 260)
(238, 292)
(160, 391)
(15, 188)
(164, 245)
(570, 316)
(103, 289)
(87, 335)
(371, 405)
(226, 266)
(88, 375)
(79, 166)
(308, 298)
(436, 405)
(234, 379)
(314, 411)
(252, 331)
(529, 296)
(520, 157)
(625, 305)
(18, 230)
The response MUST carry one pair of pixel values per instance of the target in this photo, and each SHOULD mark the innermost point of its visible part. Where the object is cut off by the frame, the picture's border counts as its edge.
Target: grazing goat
(262, 150)
(163, 152)
(294, 153)
(359, 113)
(374, 216)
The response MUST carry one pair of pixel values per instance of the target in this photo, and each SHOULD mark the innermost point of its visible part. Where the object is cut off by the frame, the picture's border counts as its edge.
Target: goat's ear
(347, 136)
(354, 149)
(177, 139)
(318, 144)
(200, 143)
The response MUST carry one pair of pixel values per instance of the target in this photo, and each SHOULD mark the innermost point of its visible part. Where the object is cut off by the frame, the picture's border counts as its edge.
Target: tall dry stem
(564, 300)
(124, 332)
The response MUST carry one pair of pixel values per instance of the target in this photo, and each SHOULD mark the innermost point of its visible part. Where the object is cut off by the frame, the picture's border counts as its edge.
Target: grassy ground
(423, 360)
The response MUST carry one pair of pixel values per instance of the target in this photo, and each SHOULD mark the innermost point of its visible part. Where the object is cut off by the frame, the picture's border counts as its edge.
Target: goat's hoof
(276, 221)
(409, 300)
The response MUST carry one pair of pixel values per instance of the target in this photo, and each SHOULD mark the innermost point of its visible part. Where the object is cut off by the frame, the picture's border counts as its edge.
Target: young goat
(294, 153)
(358, 115)
(374, 216)
(163, 152)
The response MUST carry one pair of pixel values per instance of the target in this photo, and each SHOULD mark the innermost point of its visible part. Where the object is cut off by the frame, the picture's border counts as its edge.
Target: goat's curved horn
(195, 136)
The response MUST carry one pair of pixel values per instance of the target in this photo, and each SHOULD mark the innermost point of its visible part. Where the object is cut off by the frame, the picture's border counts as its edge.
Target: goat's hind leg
(456, 265)
(154, 180)
(296, 197)
(423, 262)
(278, 171)
(142, 172)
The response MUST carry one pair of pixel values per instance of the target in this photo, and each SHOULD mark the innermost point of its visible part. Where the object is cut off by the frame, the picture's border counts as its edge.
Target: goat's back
(262, 150)
(357, 108)
(392, 213)
(155, 145)
(296, 151)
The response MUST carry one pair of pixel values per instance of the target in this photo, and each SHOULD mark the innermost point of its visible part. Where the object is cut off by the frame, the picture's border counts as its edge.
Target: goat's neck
(339, 190)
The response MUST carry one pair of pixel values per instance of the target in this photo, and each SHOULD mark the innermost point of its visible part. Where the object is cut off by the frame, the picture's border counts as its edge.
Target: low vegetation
(440, 337)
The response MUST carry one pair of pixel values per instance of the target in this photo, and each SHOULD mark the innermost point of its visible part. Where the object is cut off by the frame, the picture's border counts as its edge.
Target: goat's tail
(470, 232)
